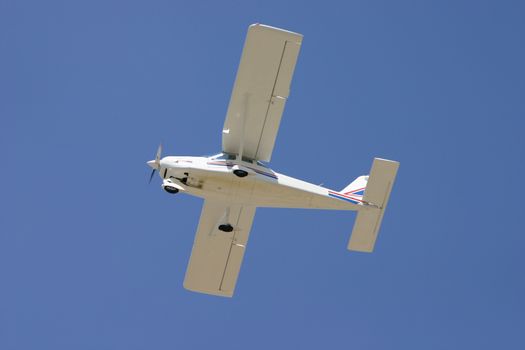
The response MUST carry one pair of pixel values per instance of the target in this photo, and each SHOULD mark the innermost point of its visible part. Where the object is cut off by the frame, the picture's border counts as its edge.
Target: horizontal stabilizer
(377, 192)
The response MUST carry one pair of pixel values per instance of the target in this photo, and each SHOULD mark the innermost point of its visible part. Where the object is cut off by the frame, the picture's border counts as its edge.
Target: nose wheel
(171, 189)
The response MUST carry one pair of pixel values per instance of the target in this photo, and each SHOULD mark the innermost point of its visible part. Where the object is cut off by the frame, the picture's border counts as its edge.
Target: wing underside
(216, 256)
(260, 91)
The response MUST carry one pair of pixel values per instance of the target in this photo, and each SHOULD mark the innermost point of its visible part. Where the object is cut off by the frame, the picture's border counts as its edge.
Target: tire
(171, 190)
(240, 173)
(226, 228)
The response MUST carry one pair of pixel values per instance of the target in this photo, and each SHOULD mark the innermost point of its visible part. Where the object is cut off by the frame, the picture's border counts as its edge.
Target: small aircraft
(237, 181)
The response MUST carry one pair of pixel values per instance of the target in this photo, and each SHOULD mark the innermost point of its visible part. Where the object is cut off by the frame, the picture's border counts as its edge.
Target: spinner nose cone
(153, 164)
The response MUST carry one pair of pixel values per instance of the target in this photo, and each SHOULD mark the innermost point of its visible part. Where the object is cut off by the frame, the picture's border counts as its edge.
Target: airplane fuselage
(212, 178)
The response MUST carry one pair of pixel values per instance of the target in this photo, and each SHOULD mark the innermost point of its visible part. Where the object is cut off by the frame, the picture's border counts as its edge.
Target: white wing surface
(216, 256)
(260, 91)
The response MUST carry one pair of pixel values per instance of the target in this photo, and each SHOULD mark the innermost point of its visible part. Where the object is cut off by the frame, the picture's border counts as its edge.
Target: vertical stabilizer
(357, 187)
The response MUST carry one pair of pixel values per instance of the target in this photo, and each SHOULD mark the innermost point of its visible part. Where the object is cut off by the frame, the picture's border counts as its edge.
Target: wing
(216, 256)
(260, 91)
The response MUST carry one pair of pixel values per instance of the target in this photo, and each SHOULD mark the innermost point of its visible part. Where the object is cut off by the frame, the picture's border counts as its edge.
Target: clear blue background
(91, 257)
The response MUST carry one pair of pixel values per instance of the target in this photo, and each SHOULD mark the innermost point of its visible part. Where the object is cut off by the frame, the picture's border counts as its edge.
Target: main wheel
(240, 173)
(171, 190)
(226, 228)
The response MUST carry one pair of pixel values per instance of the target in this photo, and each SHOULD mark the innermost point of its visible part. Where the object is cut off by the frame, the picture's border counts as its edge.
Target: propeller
(155, 164)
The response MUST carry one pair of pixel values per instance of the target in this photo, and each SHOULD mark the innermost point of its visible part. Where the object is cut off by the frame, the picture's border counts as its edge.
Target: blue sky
(92, 257)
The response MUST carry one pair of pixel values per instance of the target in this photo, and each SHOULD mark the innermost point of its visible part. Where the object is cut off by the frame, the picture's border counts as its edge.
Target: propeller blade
(159, 152)
(155, 164)
(151, 176)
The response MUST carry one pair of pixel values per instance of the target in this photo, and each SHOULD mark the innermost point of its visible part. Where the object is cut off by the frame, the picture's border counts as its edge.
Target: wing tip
(259, 26)
(218, 293)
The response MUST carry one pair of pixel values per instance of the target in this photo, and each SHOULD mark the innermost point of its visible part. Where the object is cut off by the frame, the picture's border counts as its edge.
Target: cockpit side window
(224, 156)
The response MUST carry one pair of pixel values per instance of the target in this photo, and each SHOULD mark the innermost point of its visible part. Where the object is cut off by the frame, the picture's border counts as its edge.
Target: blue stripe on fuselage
(343, 198)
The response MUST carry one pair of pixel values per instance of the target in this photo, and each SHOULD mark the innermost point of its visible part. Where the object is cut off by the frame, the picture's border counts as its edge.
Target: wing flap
(271, 126)
(216, 256)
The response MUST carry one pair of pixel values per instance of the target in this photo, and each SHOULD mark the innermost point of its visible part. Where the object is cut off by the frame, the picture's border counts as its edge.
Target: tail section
(377, 188)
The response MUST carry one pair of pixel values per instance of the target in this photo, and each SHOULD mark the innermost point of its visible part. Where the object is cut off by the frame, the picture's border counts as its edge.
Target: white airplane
(235, 182)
